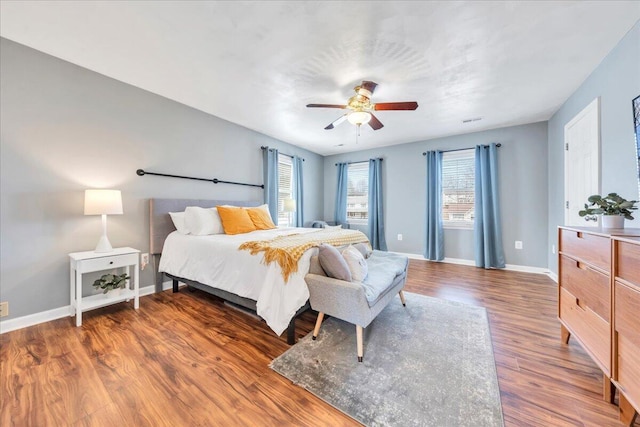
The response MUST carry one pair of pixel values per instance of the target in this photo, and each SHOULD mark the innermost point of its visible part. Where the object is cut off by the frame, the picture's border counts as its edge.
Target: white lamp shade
(289, 205)
(102, 202)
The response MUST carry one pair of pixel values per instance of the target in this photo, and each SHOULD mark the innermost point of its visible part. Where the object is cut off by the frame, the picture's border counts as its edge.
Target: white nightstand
(90, 261)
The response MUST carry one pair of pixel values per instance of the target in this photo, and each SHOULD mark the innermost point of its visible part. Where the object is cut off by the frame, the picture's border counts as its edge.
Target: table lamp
(103, 202)
(289, 207)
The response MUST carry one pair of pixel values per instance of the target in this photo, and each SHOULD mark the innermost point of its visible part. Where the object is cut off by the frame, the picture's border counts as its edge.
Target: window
(458, 187)
(285, 189)
(358, 193)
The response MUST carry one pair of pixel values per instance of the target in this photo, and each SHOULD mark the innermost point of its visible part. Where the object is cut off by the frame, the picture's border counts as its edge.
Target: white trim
(59, 313)
(509, 267)
(553, 276)
(34, 319)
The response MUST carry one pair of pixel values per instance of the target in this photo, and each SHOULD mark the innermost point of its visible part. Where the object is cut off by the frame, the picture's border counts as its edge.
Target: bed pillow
(179, 222)
(202, 221)
(261, 218)
(333, 227)
(356, 262)
(235, 220)
(364, 249)
(333, 263)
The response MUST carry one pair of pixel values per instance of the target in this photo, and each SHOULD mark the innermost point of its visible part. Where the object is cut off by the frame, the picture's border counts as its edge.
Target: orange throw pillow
(235, 220)
(261, 218)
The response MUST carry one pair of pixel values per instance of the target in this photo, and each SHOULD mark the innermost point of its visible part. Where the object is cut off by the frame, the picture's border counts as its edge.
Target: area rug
(428, 364)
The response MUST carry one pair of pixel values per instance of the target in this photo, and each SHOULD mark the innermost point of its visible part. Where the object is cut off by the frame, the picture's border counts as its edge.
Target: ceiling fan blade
(375, 123)
(396, 106)
(336, 122)
(326, 106)
(370, 86)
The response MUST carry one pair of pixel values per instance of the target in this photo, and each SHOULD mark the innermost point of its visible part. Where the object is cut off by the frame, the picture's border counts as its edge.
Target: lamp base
(104, 245)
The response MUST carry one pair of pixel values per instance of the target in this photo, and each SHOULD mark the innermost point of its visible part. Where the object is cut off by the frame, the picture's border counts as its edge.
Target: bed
(215, 265)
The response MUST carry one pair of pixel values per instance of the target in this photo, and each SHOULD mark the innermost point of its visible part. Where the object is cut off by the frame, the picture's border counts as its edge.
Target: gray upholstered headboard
(160, 224)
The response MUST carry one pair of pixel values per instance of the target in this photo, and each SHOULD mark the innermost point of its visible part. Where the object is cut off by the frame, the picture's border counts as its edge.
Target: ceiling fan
(361, 107)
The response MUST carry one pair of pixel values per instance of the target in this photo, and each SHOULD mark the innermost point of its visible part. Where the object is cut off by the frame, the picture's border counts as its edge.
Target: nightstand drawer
(591, 248)
(106, 262)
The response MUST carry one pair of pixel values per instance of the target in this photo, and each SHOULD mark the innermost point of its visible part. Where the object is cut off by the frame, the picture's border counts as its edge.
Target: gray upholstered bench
(357, 302)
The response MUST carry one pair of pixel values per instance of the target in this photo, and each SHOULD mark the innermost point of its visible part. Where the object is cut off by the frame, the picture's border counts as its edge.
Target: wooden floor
(187, 359)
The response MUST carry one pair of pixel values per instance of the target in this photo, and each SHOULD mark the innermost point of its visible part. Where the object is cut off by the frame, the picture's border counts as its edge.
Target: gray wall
(65, 129)
(616, 81)
(523, 191)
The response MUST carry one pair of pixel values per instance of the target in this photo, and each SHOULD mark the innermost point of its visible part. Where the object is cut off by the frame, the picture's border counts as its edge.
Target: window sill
(454, 226)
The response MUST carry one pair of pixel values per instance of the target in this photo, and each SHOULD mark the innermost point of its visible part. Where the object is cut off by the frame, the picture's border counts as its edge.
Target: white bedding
(215, 260)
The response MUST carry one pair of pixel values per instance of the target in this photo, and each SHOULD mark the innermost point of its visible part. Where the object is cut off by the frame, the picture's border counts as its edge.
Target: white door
(581, 162)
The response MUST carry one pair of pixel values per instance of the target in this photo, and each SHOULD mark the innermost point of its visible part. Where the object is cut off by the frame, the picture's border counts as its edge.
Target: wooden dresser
(626, 325)
(588, 267)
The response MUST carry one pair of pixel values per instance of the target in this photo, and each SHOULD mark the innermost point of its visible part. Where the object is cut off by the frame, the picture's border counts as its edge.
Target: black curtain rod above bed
(264, 147)
(142, 172)
(361, 161)
(460, 149)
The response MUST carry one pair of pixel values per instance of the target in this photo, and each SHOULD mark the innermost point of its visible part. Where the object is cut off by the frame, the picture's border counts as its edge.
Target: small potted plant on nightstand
(613, 208)
(111, 284)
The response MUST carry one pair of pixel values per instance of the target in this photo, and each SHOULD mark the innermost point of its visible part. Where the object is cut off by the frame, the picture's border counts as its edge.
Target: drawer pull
(580, 265)
(579, 234)
(110, 262)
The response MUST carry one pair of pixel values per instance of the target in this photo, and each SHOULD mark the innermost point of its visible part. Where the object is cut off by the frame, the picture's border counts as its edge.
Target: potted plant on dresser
(111, 284)
(613, 208)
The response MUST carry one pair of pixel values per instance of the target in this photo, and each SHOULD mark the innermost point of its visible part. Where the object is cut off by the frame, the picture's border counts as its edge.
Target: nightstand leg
(136, 286)
(72, 290)
(78, 298)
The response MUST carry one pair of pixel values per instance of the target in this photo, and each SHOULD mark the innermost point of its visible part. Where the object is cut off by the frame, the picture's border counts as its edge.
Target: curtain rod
(142, 172)
(362, 161)
(264, 147)
(460, 149)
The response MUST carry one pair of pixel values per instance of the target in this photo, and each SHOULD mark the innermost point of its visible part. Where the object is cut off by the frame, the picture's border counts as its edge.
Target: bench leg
(317, 328)
(404, 302)
(359, 342)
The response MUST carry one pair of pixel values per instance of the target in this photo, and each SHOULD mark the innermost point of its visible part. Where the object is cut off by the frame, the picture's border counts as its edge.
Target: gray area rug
(428, 364)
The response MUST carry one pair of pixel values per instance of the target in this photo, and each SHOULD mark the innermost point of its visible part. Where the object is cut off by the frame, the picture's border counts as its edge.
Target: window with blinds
(458, 188)
(358, 193)
(285, 188)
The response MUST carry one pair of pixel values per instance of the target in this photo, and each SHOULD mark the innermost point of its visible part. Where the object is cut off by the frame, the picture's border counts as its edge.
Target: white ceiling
(258, 64)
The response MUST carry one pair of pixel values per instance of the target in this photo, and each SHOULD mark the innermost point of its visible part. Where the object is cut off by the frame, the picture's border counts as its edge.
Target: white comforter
(216, 261)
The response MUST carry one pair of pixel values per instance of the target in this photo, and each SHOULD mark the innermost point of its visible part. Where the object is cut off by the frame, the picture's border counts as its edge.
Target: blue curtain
(487, 228)
(434, 248)
(376, 216)
(270, 171)
(340, 213)
(296, 161)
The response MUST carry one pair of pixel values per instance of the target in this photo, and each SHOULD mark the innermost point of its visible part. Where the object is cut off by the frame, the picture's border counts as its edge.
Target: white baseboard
(460, 261)
(59, 313)
(553, 276)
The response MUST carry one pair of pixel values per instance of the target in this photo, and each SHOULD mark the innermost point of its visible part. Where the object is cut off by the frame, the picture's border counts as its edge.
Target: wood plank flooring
(187, 359)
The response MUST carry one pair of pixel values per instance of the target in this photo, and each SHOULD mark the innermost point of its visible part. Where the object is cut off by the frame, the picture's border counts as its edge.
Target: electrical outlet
(144, 261)
(4, 309)
(518, 244)
(399, 236)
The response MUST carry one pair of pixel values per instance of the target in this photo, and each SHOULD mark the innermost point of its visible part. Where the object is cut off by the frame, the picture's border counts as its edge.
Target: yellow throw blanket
(287, 250)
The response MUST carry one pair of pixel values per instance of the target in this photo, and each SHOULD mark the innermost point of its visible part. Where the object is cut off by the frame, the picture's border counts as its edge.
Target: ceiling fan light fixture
(359, 118)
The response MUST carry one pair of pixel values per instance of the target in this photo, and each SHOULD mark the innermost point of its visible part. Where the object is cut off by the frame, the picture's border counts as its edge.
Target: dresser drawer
(628, 369)
(627, 312)
(589, 286)
(590, 248)
(628, 262)
(106, 263)
(589, 328)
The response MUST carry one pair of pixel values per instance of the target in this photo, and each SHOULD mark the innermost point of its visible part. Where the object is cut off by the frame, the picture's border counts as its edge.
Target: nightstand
(90, 261)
